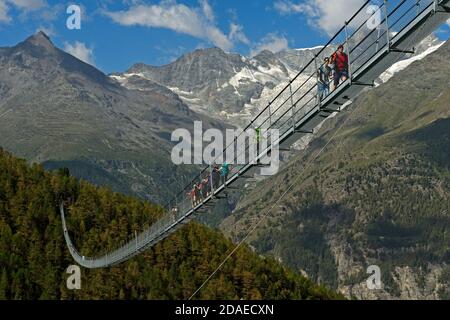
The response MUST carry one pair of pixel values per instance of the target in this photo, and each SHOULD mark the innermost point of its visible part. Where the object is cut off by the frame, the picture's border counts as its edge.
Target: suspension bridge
(297, 109)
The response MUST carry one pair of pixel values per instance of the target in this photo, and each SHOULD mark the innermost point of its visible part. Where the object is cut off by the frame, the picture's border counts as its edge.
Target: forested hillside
(34, 257)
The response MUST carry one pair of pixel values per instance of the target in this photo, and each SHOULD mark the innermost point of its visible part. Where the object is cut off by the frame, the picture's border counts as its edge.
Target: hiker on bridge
(340, 61)
(191, 196)
(215, 176)
(194, 195)
(258, 141)
(323, 85)
(224, 170)
(206, 186)
(198, 194)
(174, 213)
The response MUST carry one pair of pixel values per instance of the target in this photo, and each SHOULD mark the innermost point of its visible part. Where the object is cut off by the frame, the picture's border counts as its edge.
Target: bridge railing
(364, 35)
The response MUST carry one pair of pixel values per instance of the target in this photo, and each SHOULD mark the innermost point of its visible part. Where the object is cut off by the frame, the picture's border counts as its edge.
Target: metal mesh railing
(368, 32)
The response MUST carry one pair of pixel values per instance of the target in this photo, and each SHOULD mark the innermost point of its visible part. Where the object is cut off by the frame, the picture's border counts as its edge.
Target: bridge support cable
(295, 111)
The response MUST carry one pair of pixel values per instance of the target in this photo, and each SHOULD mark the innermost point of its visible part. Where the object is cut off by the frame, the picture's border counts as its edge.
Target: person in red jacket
(192, 194)
(340, 62)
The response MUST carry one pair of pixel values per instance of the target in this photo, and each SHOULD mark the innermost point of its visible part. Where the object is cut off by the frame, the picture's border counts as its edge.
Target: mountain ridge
(58, 109)
(230, 87)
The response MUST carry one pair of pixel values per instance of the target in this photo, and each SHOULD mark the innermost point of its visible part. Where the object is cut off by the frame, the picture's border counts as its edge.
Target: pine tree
(4, 285)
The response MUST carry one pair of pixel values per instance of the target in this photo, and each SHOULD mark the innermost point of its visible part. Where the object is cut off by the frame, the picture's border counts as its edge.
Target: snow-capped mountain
(296, 59)
(224, 85)
(212, 81)
(231, 87)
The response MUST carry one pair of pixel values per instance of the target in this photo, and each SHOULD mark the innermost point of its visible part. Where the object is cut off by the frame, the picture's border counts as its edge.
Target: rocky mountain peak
(40, 39)
(265, 54)
(136, 68)
(268, 59)
(207, 52)
(39, 56)
(199, 58)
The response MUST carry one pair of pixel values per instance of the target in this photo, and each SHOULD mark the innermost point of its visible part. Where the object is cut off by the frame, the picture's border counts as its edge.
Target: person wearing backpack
(340, 62)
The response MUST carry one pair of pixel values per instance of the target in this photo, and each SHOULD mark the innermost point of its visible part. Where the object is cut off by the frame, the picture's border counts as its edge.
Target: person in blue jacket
(224, 171)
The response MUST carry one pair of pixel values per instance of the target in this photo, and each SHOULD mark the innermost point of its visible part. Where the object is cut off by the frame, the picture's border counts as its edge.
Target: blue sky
(118, 33)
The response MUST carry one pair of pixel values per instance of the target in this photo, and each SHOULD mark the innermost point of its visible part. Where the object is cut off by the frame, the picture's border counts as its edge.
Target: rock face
(212, 81)
(377, 195)
(228, 86)
(297, 59)
(59, 111)
(412, 284)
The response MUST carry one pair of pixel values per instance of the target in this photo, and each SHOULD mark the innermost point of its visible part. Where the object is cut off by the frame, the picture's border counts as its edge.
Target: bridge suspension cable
(297, 109)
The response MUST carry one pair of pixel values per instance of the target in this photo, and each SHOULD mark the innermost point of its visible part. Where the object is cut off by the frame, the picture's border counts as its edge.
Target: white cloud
(325, 15)
(271, 42)
(80, 51)
(448, 22)
(52, 13)
(207, 10)
(4, 17)
(177, 17)
(28, 5)
(288, 7)
(23, 5)
(237, 34)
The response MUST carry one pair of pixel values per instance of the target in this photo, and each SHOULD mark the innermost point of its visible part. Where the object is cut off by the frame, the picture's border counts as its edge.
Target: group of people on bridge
(211, 181)
(203, 189)
(333, 71)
